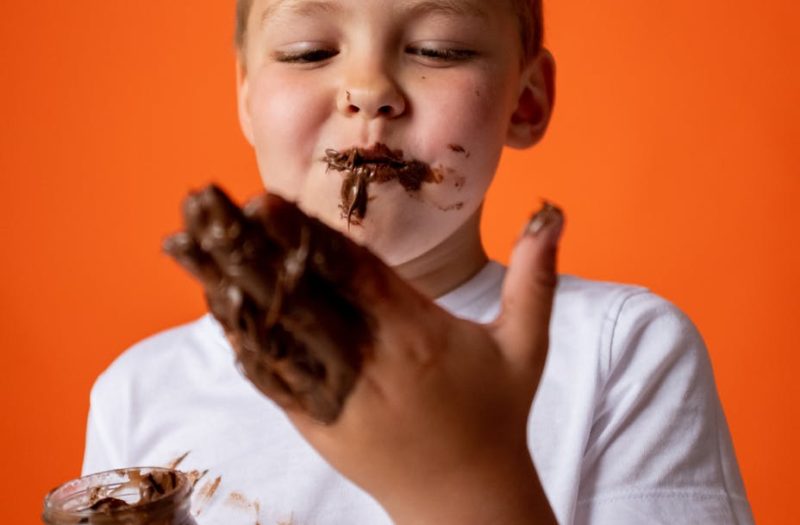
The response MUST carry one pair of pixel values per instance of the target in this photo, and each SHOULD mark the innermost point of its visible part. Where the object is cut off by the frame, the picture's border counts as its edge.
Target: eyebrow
(300, 7)
(414, 8)
(447, 7)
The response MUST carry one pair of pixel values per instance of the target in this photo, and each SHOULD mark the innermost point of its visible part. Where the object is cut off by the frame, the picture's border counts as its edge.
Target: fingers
(240, 250)
(357, 273)
(529, 288)
(298, 339)
(224, 300)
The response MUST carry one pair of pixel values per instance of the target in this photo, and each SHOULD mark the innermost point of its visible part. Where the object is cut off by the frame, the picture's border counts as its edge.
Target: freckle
(347, 96)
(423, 77)
(477, 93)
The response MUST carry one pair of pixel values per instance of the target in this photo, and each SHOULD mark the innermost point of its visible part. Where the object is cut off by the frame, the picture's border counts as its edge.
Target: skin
(372, 80)
(435, 427)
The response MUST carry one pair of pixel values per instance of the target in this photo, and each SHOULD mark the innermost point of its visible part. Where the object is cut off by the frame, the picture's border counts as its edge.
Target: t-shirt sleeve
(659, 450)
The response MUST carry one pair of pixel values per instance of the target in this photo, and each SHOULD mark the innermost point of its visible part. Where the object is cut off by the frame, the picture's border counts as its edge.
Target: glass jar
(133, 496)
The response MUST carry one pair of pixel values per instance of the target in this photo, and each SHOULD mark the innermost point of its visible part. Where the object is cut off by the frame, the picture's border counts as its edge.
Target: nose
(371, 94)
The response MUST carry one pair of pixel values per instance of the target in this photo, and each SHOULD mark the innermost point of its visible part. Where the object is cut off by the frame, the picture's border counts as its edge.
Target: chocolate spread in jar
(380, 164)
(133, 496)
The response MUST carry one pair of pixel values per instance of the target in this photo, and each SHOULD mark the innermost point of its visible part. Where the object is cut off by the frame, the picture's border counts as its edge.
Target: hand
(426, 412)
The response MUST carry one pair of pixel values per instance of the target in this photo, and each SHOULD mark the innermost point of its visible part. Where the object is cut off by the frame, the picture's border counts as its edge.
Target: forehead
(472, 8)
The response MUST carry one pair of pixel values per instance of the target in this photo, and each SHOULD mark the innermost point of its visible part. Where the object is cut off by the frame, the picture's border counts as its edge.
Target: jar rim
(80, 488)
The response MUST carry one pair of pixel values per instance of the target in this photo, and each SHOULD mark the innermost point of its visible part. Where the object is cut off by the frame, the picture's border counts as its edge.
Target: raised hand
(425, 411)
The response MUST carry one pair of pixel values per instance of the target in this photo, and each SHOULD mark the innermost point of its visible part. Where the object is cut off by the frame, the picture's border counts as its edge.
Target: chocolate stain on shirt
(239, 500)
(289, 522)
(177, 461)
(206, 492)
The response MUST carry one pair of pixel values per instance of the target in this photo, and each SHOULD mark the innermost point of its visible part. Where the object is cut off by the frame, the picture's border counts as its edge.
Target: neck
(449, 264)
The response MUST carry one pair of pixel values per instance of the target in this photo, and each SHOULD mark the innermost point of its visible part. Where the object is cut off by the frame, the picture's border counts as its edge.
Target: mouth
(376, 164)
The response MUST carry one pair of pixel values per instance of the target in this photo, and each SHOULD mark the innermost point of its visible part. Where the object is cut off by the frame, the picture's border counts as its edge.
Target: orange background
(674, 150)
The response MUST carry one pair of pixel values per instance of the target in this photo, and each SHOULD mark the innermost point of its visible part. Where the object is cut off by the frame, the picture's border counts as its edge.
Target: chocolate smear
(133, 496)
(280, 283)
(177, 461)
(380, 164)
(149, 486)
(457, 148)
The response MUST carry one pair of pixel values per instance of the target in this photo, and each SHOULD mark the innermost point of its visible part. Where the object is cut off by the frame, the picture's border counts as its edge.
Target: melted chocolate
(380, 164)
(278, 282)
(150, 487)
(134, 496)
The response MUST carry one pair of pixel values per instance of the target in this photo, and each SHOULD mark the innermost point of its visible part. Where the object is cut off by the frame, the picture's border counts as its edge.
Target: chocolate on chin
(379, 164)
(279, 282)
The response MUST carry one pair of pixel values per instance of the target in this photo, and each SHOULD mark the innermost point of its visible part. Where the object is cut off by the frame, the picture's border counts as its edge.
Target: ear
(535, 103)
(243, 102)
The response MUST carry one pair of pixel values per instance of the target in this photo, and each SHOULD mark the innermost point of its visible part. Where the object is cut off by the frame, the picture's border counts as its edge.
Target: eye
(305, 56)
(441, 55)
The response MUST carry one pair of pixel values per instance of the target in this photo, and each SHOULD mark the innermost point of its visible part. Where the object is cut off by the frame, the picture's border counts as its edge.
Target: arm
(434, 426)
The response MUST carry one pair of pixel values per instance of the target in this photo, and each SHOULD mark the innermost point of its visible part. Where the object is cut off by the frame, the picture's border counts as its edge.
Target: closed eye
(444, 55)
(306, 56)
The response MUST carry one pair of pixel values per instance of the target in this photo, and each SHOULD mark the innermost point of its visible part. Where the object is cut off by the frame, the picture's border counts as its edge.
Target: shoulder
(165, 358)
(620, 318)
(608, 300)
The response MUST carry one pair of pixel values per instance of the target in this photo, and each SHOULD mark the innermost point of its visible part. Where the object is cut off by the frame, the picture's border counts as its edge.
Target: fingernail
(176, 244)
(546, 223)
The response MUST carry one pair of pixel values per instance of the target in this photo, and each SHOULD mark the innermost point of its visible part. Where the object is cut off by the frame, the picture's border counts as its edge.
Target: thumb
(528, 290)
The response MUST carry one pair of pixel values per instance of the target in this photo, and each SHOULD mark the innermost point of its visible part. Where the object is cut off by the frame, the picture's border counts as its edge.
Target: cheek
(471, 113)
(287, 119)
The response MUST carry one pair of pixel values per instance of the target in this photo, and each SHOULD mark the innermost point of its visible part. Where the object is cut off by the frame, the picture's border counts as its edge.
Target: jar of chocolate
(134, 496)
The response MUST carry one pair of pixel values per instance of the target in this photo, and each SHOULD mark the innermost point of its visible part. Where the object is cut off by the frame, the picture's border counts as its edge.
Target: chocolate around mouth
(380, 164)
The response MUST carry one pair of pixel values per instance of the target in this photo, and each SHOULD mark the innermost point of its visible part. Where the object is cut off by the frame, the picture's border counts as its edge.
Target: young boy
(438, 427)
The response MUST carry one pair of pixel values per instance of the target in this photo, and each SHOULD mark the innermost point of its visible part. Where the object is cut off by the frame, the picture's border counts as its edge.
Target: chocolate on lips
(279, 282)
(379, 164)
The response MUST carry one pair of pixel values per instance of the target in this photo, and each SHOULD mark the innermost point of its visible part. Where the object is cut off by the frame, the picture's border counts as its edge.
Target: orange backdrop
(674, 150)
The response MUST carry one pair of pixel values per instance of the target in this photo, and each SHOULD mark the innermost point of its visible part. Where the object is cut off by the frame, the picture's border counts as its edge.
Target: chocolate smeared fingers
(298, 338)
(224, 300)
(352, 268)
(237, 245)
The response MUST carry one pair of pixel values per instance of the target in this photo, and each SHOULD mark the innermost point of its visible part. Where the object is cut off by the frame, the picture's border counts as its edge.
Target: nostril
(385, 110)
(352, 108)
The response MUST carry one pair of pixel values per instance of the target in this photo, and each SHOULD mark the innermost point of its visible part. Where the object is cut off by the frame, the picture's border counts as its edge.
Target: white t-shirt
(626, 427)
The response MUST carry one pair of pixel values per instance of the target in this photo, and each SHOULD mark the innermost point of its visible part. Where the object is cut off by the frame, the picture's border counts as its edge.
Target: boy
(626, 427)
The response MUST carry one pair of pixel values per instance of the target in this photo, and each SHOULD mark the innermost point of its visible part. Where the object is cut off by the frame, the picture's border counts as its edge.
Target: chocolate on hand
(281, 285)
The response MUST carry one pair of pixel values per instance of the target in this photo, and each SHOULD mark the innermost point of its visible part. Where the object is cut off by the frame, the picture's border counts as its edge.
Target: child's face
(439, 80)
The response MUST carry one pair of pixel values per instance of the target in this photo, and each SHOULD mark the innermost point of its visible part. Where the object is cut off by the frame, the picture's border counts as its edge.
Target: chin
(397, 228)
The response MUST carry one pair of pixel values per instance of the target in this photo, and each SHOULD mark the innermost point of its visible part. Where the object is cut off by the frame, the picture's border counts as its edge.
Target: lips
(379, 164)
